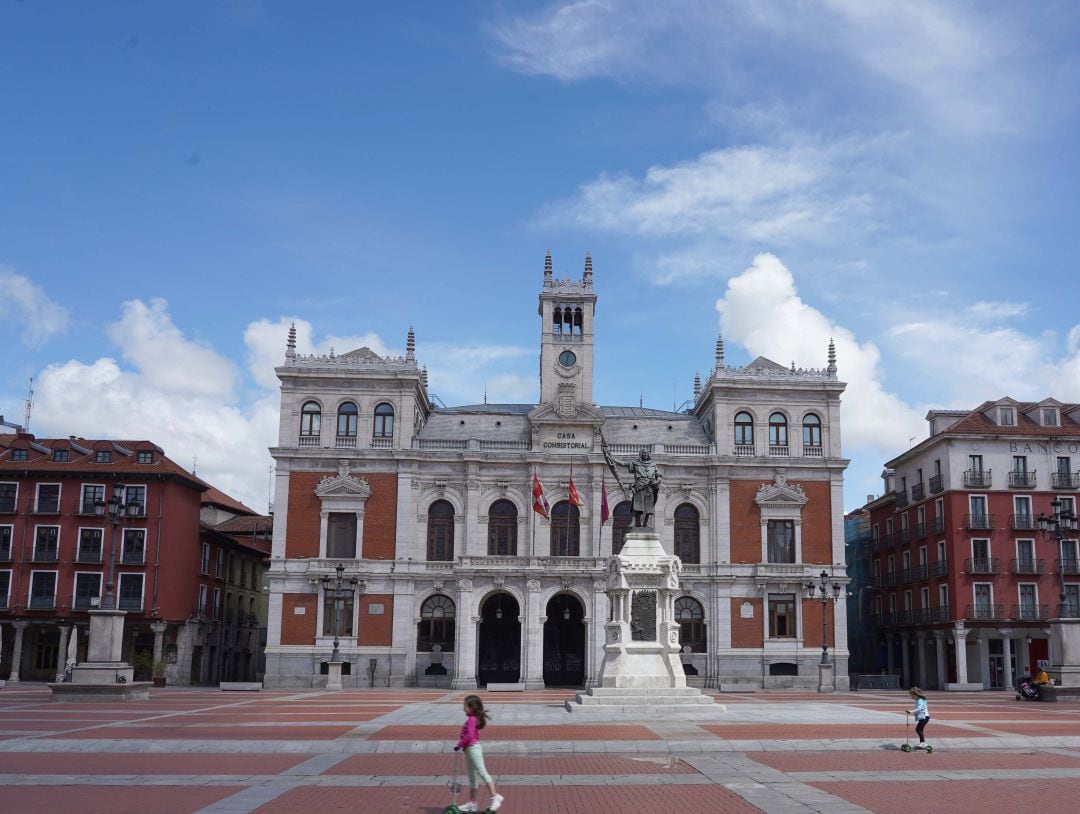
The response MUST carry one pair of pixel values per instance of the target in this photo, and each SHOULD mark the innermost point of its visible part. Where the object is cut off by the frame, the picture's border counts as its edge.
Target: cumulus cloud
(460, 374)
(763, 311)
(753, 193)
(27, 305)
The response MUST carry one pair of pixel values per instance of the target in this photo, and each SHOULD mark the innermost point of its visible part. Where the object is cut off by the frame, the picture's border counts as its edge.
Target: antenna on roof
(641, 398)
(194, 461)
(29, 405)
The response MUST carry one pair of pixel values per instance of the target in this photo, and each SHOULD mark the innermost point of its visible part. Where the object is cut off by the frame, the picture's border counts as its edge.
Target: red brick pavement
(896, 761)
(738, 732)
(111, 799)
(522, 799)
(44, 763)
(203, 733)
(566, 733)
(1054, 728)
(405, 765)
(956, 795)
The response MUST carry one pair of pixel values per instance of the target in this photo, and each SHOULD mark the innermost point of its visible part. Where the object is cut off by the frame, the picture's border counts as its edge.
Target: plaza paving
(201, 750)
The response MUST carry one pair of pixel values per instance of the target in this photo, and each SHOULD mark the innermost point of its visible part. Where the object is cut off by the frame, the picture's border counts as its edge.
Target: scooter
(456, 787)
(907, 747)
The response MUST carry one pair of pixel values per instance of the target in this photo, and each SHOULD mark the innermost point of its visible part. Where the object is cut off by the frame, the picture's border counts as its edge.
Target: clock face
(567, 358)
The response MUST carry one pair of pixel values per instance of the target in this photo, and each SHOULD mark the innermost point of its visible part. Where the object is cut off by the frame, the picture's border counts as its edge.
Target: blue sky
(179, 182)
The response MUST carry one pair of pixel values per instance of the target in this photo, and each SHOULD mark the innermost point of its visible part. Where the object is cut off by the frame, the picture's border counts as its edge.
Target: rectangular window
(1028, 602)
(103, 456)
(202, 600)
(1020, 464)
(975, 464)
(924, 597)
(60, 455)
(20, 455)
(5, 588)
(341, 535)
(135, 496)
(144, 457)
(216, 609)
(1072, 600)
(87, 591)
(907, 600)
(983, 600)
(905, 558)
(1049, 416)
(206, 558)
(1069, 563)
(338, 610)
(134, 550)
(782, 616)
(1006, 416)
(48, 498)
(8, 494)
(42, 590)
(941, 550)
(980, 549)
(781, 540)
(47, 544)
(219, 566)
(937, 467)
(922, 555)
(1025, 556)
(891, 564)
(1068, 506)
(92, 494)
(89, 545)
(1064, 465)
(943, 596)
(130, 595)
(5, 543)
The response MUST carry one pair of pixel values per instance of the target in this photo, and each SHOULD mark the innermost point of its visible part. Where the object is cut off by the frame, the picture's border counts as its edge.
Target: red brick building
(963, 583)
(181, 573)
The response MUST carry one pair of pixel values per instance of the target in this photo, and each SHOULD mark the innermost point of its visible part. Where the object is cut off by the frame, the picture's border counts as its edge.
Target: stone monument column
(16, 652)
(942, 668)
(61, 649)
(465, 658)
(533, 632)
(159, 639)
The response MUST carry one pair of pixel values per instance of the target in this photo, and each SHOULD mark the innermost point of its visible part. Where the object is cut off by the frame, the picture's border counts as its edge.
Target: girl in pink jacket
(476, 720)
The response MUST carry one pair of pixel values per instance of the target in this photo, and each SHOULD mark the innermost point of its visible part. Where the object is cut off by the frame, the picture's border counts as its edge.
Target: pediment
(343, 486)
(772, 494)
(585, 414)
(364, 354)
(761, 363)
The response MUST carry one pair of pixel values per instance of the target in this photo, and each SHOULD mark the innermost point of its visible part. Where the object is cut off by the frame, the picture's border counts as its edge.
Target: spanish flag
(572, 493)
(540, 504)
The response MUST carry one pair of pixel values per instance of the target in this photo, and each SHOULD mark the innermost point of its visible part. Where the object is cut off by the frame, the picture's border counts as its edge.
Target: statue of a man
(646, 485)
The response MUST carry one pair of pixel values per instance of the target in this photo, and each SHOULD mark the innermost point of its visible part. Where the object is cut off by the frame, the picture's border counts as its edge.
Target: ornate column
(942, 668)
(905, 659)
(159, 639)
(465, 659)
(984, 660)
(920, 657)
(16, 652)
(61, 650)
(534, 637)
(1006, 649)
(960, 634)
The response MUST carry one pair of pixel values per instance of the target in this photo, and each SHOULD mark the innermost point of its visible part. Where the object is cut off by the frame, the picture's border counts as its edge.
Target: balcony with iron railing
(920, 531)
(89, 555)
(901, 498)
(130, 603)
(919, 572)
(982, 565)
(46, 553)
(936, 484)
(1028, 613)
(918, 491)
(1065, 480)
(1027, 566)
(977, 479)
(47, 506)
(984, 612)
(1067, 566)
(903, 576)
(904, 536)
(88, 507)
(1022, 522)
(1070, 610)
(979, 521)
(1021, 480)
(133, 556)
(42, 602)
(939, 568)
(937, 525)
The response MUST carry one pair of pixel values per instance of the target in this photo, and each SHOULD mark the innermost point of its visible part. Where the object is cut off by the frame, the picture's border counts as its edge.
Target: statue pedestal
(1065, 660)
(333, 676)
(104, 676)
(641, 670)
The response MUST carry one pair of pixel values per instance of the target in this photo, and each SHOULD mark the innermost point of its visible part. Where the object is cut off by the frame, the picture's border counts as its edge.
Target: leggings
(919, 727)
(474, 759)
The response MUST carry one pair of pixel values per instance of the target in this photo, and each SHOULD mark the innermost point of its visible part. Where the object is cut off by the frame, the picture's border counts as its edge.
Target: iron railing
(1065, 480)
(1026, 565)
(979, 521)
(984, 612)
(977, 478)
(920, 531)
(935, 484)
(1021, 480)
(940, 568)
(937, 525)
(1028, 613)
(1067, 566)
(982, 565)
(918, 491)
(1022, 522)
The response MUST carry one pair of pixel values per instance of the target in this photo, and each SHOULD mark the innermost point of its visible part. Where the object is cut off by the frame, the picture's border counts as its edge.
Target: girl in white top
(922, 715)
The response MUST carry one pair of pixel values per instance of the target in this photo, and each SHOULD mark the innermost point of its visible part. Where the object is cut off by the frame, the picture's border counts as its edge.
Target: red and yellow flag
(540, 504)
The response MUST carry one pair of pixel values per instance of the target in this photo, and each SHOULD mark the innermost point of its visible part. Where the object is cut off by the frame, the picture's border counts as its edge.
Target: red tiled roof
(216, 497)
(976, 422)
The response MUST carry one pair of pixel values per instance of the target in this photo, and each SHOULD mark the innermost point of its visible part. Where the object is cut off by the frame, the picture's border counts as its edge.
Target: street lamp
(117, 510)
(1055, 526)
(820, 592)
(332, 589)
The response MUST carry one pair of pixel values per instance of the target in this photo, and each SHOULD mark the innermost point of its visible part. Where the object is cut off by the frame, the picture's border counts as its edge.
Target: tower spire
(290, 345)
(719, 350)
(588, 269)
(697, 386)
(410, 346)
(547, 268)
(832, 356)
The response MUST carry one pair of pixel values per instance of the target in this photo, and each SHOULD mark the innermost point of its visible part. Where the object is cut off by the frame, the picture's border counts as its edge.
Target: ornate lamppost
(820, 591)
(1056, 525)
(117, 510)
(1065, 628)
(333, 588)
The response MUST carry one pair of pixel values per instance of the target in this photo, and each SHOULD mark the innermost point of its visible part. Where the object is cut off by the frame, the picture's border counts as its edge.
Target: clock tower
(567, 308)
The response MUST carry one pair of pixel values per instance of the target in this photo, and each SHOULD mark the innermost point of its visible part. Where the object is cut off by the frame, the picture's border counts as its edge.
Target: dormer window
(60, 455)
(1006, 416)
(144, 457)
(20, 455)
(103, 456)
(1049, 416)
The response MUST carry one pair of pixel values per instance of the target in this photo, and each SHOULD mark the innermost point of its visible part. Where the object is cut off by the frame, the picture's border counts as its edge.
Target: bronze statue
(645, 488)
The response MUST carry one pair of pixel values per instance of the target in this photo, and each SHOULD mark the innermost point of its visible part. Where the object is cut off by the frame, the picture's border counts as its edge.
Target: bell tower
(567, 309)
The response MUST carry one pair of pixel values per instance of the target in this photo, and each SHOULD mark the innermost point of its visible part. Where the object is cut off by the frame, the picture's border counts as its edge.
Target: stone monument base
(108, 693)
(658, 701)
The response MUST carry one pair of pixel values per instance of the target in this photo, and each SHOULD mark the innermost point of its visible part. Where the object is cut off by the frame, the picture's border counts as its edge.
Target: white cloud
(459, 374)
(762, 311)
(26, 304)
(997, 310)
(164, 358)
(742, 193)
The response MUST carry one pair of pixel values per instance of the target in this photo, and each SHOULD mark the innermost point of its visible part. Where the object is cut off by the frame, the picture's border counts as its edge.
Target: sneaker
(496, 801)
(469, 806)
(921, 746)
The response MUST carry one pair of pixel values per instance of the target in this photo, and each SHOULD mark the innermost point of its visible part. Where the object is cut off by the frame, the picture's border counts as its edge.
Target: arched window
(436, 625)
(310, 419)
(384, 421)
(778, 430)
(687, 534)
(577, 321)
(744, 429)
(565, 530)
(691, 618)
(347, 415)
(621, 520)
(440, 532)
(811, 431)
(502, 529)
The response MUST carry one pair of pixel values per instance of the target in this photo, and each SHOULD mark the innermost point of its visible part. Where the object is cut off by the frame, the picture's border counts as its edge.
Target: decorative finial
(290, 345)
(485, 394)
(331, 351)
(792, 365)
(588, 269)
(423, 376)
(410, 346)
(547, 266)
(720, 350)
(832, 356)
(697, 386)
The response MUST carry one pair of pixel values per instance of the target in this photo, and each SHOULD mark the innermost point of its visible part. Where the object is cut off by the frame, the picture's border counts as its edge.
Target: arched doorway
(499, 641)
(564, 642)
